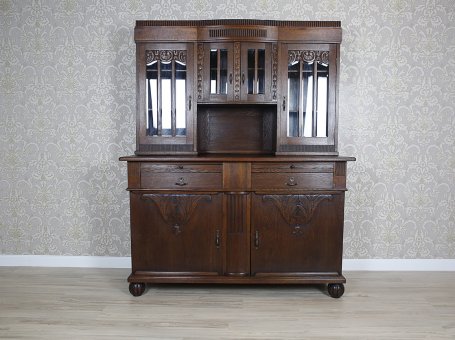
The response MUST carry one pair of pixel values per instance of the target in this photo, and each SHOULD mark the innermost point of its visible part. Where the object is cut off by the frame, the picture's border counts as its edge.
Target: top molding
(237, 30)
(238, 22)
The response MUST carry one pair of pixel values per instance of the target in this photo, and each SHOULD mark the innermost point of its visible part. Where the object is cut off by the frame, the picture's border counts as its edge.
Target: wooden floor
(56, 303)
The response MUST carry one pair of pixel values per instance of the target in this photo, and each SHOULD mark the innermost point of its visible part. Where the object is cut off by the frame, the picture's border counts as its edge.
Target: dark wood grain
(236, 199)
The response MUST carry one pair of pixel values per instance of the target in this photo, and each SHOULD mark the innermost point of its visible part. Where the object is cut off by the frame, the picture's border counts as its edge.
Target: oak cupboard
(236, 176)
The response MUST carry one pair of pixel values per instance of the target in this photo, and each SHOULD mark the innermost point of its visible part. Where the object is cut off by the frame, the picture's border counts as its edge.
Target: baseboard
(125, 262)
(432, 265)
(64, 261)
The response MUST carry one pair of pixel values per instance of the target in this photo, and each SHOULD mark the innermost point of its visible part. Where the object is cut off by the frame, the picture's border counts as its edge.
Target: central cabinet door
(295, 234)
(176, 234)
(237, 72)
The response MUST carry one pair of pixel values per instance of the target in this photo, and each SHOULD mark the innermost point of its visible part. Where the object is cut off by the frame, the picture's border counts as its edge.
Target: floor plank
(81, 303)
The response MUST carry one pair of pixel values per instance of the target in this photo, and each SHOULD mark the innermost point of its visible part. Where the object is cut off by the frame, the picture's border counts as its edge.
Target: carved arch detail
(165, 56)
(176, 210)
(297, 210)
(308, 56)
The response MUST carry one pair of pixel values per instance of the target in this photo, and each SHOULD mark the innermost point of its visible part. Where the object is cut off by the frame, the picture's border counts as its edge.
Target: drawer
(292, 175)
(180, 167)
(293, 167)
(292, 181)
(167, 176)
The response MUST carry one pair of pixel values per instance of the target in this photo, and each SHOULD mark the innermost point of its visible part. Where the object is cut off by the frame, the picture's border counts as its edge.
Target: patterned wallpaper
(67, 103)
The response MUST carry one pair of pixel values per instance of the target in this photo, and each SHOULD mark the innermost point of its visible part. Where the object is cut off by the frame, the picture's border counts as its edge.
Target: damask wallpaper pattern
(67, 103)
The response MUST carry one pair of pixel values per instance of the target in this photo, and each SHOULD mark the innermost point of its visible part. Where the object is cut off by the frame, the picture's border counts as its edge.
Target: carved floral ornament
(297, 210)
(177, 210)
(165, 56)
(308, 56)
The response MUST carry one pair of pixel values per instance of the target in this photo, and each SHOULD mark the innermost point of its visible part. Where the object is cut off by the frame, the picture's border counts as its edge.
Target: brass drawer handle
(291, 182)
(181, 182)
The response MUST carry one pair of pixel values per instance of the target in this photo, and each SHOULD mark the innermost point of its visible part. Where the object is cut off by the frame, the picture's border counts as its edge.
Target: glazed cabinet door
(256, 71)
(176, 234)
(217, 68)
(295, 235)
(308, 108)
(165, 98)
(235, 72)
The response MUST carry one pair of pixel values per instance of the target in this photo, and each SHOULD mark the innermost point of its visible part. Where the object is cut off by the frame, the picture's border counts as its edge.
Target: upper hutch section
(237, 87)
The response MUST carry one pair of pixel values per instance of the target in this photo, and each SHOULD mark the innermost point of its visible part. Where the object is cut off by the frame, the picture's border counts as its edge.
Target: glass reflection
(166, 100)
(218, 71)
(256, 71)
(166, 97)
(152, 98)
(323, 88)
(307, 106)
(180, 96)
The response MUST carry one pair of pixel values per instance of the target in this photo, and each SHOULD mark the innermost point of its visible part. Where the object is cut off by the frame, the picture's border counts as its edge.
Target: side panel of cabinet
(177, 233)
(296, 234)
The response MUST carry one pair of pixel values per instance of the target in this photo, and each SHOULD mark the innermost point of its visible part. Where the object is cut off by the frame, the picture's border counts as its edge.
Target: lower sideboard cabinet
(237, 220)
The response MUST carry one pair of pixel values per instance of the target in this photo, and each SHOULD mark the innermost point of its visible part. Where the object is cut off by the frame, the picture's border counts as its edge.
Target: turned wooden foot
(335, 290)
(137, 288)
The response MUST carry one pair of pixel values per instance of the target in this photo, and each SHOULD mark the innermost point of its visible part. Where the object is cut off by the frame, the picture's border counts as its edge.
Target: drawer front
(183, 176)
(292, 181)
(293, 167)
(181, 167)
(292, 176)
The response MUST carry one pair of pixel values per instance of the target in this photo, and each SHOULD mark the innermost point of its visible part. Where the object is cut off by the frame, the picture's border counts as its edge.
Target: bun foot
(137, 288)
(335, 290)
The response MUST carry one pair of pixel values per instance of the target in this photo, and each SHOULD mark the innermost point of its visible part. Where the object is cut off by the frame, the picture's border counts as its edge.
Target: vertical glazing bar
(218, 71)
(159, 108)
(256, 79)
(300, 99)
(149, 122)
(173, 103)
(314, 131)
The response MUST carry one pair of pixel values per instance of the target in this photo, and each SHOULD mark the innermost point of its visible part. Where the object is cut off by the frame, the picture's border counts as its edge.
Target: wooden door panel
(176, 233)
(296, 234)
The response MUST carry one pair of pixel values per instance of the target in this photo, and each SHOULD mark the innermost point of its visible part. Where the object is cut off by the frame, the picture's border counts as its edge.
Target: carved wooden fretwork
(165, 56)
(176, 210)
(237, 71)
(274, 70)
(296, 210)
(308, 56)
(200, 68)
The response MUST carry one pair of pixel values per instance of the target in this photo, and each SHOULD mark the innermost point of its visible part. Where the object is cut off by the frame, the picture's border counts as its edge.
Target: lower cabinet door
(176, 234)
(296, 234)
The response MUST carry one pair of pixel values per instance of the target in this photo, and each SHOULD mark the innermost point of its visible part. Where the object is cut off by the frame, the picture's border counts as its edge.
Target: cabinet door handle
(243, 78)
(217, 238)
(189, 103)
(256, 239)
(230, 78)
(291, 182)
(284, 103)
(181, 182)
